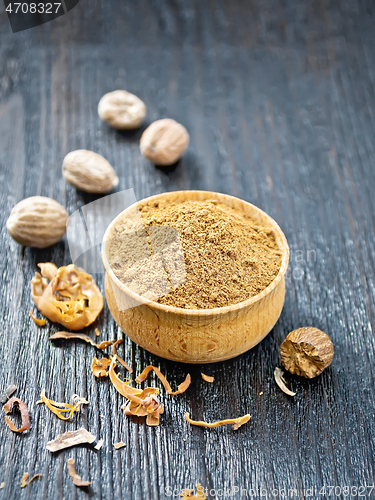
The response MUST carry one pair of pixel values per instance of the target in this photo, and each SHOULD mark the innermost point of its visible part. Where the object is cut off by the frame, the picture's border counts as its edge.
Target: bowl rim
(200, 312)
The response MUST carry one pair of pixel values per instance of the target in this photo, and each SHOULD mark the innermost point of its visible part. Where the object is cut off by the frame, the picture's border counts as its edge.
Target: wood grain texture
(278, 98)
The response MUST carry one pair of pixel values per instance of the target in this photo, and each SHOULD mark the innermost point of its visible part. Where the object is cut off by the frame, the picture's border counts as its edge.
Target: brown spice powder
(194, 254)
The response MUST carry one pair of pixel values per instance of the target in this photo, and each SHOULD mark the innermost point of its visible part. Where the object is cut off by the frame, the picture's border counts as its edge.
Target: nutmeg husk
(71, 297)
(306, 352)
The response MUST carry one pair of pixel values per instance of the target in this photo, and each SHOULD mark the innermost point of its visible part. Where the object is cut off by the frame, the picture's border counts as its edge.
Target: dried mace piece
(164, 142)
(280, 381)
(306, 352)
(181, 388)
(7, 394)
(63, 410)
(237, 422)
(81, 336)
(25, 481)
(187, 494)
(39, 322)
(76, 478)
(100, 368)
(71, 438)
(99, 444)
(15, 402)
(119, 445)
(207, 378)
(142, 403)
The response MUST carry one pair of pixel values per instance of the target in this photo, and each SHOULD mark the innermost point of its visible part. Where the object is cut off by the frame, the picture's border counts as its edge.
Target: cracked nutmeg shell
(306, 352)
(164, 142)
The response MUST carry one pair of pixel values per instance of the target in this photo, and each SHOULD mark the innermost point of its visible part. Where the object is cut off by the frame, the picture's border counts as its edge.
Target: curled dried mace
(60, 408)
(121, 386)
(200, 494)
(121, 361)
(181, 388)
(141, 402)
(146, 404)
(39, 322)
(81, 336)
(280, 381)
(26, 482)
(237, 422)
(24, 415)
(76, 478)
(99, 368)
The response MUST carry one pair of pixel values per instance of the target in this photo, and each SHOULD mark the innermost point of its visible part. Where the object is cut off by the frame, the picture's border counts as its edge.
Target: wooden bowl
(197, 335)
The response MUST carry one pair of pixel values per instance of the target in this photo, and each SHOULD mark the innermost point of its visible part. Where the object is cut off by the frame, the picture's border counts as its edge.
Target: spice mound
(194, 254)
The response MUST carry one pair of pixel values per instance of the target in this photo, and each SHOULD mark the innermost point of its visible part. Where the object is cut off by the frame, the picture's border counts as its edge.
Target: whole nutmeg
(122, 110)
(37, 222)
(89, 171)
(306, 352)
(164, 142)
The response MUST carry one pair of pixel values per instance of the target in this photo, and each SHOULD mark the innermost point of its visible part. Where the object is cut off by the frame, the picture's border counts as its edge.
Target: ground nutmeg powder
(194, 254)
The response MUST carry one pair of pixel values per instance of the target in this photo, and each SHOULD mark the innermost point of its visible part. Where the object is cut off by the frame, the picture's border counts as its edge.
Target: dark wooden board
(278, 97)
